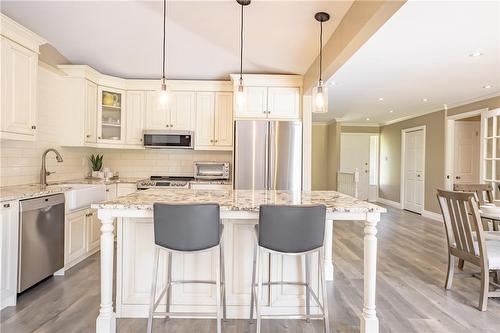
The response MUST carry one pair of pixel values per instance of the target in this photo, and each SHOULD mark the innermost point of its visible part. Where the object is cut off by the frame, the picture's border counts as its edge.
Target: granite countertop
(240, 200)
(19, 192)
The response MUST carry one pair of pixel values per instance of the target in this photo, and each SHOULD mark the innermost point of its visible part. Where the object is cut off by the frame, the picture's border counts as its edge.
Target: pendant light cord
(164, 39)
(241, 45)
(320, 49)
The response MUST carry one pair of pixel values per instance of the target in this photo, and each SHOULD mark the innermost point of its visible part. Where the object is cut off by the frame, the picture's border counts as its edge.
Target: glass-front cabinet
(111, 114)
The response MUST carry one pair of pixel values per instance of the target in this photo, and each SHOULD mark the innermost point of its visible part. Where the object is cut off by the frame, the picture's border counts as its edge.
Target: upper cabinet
(214, 121)
(276, 97)
(110, 115)
(177, 114)
(136, 107)
(19, 64)
(270, 103)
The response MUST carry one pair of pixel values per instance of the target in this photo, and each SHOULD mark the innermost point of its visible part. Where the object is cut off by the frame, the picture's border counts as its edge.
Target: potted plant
(96, 164)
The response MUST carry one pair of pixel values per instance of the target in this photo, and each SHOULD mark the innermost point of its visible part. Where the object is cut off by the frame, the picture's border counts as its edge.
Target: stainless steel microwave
(168, 139)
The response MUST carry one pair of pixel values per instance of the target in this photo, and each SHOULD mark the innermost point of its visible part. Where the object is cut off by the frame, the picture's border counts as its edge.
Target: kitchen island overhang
(239, 213)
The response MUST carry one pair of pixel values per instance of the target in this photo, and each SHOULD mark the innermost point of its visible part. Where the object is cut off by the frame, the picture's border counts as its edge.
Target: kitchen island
(239, 213)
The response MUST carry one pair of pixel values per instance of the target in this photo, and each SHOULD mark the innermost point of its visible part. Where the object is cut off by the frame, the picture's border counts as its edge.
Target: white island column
(369, 320)
(106, 321)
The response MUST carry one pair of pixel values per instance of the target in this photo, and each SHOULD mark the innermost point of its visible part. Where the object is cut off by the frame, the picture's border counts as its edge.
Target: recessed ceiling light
(391, 111)
(475, 54)
(367, 118)
(380, 98)
(487, 86)
(333, 83)
(425, 99)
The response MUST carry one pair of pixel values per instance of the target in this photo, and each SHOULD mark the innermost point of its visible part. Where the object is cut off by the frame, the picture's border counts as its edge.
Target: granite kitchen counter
(19, 192)
(241, 200)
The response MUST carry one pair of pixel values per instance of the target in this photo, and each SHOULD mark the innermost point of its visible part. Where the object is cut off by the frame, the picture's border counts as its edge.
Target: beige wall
(390, 157)
(319, 164)
(334, 131)
(390, 152)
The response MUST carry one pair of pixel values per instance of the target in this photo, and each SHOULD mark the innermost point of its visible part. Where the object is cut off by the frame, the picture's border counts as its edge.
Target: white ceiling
(420, 52)
(123, 38)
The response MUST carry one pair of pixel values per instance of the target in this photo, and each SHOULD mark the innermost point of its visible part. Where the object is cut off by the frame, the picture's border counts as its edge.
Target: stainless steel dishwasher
(41, 239)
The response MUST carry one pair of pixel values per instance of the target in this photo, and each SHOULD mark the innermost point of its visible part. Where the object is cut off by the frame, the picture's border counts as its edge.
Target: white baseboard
(432, 215)
(389, 203)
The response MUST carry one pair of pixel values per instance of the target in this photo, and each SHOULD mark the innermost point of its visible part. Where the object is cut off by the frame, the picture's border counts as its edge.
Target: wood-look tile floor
(410, 295)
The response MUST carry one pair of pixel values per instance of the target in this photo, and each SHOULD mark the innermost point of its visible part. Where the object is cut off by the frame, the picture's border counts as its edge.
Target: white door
(414, 171)
(466, 165)
(19, 87)
(355, 154)
(224, 119)
(90, 112)
(283, 103)
(157, 116)
(182, 110)
(205, 110)
(255, 105)
(134, 126)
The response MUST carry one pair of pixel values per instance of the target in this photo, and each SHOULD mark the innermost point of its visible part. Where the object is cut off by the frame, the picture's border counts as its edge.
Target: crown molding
(21, 35)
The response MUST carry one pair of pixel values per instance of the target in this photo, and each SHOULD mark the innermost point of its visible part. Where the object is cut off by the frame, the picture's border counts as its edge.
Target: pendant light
(240, 95)
(163, 98)
(320, 97)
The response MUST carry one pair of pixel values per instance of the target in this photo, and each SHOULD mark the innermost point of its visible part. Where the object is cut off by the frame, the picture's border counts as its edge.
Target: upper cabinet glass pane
(111, 120)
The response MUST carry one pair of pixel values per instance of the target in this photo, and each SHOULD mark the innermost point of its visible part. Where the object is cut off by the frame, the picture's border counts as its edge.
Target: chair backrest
(482, 192)
(292, 229)
(461, 218)
(189, 227)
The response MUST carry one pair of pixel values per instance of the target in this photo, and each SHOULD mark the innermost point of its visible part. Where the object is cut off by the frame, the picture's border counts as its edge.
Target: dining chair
(461, 216)
(484, 195)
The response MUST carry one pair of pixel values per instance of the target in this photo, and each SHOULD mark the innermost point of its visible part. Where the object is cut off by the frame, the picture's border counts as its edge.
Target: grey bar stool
(187, 228)
(295, 231)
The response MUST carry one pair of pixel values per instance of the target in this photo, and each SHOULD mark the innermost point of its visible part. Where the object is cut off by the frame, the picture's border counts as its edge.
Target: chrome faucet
(43, 172)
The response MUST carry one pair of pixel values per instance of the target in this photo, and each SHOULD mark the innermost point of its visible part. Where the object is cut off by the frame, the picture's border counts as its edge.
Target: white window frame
(485, 115)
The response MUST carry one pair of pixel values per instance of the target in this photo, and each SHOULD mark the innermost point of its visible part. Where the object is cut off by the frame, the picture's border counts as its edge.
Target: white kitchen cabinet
(110, 116)
(93, 231)
(19, 67)
(82, 236)
(283, 103)
(177, 114)
(90, 108)
(181, 105)
(214, 121)
(280, 103)
(255, 103)
(75, 240)
(9, 226)
(134, 126)
(111, 191)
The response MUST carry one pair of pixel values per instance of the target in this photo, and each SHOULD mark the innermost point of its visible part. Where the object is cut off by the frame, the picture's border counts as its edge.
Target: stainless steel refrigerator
(268, 155)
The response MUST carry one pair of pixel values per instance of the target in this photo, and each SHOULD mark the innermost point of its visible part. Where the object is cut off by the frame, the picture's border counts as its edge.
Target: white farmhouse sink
(83, 195)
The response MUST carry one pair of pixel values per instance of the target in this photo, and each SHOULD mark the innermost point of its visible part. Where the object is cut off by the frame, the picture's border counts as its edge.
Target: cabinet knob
(171, 125)
(99, 137)
(88, 135)
(140, 139)
(6, 206)
(211, 140)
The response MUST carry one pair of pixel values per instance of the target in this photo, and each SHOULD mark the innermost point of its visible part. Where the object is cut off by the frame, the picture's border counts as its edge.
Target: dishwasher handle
(41, 202)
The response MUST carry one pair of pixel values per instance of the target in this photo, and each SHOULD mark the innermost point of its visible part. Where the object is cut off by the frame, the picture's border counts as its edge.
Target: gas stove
(164, 182)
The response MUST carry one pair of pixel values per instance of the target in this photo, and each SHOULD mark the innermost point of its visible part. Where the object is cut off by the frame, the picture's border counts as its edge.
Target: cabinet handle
(171, 125)
(107, 190)
(33, 127)
(6, 206)
(88, 135)
(140, 140)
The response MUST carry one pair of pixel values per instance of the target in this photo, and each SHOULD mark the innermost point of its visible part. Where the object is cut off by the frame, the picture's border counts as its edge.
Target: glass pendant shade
(320, 98)
(163, 98)
(240, 95)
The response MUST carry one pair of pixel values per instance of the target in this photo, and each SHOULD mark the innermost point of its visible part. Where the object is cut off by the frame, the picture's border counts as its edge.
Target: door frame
(403, 164)
(449, 170)
(375, 197)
